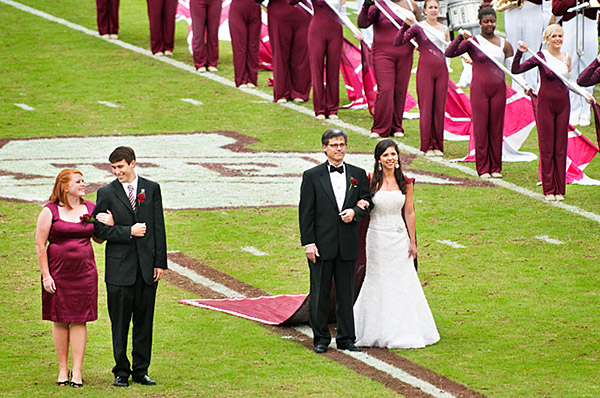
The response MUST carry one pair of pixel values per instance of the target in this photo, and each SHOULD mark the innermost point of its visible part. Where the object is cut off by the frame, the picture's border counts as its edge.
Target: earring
(398, 165)
(379, 165)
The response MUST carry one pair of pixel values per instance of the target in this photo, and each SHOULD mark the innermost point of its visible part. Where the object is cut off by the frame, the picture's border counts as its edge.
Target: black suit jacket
(123, 251)
(320, 222)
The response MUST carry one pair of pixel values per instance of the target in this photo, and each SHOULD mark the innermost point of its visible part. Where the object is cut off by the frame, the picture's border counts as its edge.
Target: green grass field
(518, 317)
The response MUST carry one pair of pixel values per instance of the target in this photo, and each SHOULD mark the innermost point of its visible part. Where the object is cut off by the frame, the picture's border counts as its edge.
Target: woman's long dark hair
(377, 176)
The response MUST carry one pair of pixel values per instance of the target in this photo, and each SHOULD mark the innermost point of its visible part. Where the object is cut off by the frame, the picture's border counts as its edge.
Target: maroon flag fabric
(270, 310)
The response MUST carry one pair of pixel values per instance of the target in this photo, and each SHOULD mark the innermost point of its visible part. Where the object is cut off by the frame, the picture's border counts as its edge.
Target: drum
(462, 14)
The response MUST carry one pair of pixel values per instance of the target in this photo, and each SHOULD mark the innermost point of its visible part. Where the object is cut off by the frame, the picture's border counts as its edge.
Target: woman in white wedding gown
(391, 309)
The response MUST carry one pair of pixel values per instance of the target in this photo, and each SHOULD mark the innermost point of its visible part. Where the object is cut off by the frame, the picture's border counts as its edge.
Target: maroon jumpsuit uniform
(288, 35)
(432, 86)
(488, 103)
(325, 54)
(206, 16)
(244, 27)
(107, 16)
(161, 14)
(590, 75)
(552, 124)
(392, 65)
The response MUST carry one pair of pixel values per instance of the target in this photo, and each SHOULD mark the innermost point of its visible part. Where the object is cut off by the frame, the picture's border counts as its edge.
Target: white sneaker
(559, 197)
(201, 69)
(333, 116)
(250, 85)
(159, 54)
(438, 152)
(243, 85)
(106, 36)
(496, 175)
(398, 134)
(430, 153)
(320, 117)
(212, 69)
(485, 175)
(281, 101)
(168, 53)
(550, 198)
(584, 122)
(114, 36)
(374, 135)
(298, 100)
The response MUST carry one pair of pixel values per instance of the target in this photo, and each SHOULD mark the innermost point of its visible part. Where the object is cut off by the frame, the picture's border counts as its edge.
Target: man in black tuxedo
(329, 218)
(136, 257)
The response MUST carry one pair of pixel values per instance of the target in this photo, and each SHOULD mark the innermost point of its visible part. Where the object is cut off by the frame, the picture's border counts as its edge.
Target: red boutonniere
(87, 219)
(141, 197)
(353, 182)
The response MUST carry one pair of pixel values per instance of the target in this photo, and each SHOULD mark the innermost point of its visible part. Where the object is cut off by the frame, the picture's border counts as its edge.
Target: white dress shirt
(338, 182)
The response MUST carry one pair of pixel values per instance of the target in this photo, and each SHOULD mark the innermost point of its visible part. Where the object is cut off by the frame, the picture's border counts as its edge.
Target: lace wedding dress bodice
(386, 206)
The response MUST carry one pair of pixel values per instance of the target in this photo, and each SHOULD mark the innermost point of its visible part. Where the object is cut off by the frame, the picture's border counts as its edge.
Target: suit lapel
(348, 190)
(141, 187)
(120, 193)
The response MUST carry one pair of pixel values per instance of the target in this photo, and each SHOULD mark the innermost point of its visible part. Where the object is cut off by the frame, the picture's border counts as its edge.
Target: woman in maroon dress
(392, 66)
(69, 276)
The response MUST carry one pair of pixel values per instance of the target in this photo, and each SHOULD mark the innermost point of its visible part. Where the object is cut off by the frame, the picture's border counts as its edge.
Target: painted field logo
(203, 170)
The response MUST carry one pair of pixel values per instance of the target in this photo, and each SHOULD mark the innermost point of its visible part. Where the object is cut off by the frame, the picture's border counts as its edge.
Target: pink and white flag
(518, 123)
(457, 118)
(580, 152)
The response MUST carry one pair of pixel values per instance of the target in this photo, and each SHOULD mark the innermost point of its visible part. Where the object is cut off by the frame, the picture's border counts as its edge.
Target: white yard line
(550, 240)
(192, 101)
(254, 250)
(25, 107)
(109, 104)
(367, 359)
(268, 97)
(453, 244)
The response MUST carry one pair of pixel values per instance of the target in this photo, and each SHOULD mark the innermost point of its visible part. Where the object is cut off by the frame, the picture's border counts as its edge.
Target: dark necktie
(333, 169)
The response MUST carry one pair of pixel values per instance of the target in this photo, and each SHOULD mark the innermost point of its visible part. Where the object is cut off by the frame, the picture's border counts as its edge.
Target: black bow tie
(333, 169)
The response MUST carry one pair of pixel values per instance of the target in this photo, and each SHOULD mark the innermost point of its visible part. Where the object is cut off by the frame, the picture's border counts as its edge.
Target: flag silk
(580, 152)
(518, 123)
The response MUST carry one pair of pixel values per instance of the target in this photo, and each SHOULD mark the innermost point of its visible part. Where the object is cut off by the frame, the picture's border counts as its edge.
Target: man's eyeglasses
(341, 145)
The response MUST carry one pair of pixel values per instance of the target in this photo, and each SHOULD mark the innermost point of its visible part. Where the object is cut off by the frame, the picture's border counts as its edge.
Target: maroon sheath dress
(73, 268)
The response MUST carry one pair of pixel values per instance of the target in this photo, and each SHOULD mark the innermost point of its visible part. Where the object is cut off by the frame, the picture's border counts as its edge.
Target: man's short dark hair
(122, 153)
(333, 133)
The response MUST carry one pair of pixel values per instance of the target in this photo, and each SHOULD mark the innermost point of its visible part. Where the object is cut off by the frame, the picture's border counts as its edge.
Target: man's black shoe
(349, 347)
(320, 348)
(121, 381)
(145, 381)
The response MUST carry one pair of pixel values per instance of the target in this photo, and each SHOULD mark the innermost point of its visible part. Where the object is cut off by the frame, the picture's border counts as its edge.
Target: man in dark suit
(329, 218)
(136, 257)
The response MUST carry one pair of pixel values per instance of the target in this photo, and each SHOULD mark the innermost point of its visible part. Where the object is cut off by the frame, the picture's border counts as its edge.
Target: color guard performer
(552, 110)
(488, 90)
(432, 76)
(244, 26)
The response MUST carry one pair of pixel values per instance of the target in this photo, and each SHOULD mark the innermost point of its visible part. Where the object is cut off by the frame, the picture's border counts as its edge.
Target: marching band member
(244, 27)
(552, 110)
(488, 90)
(581, 42)
(392, 65)
(432, 76)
